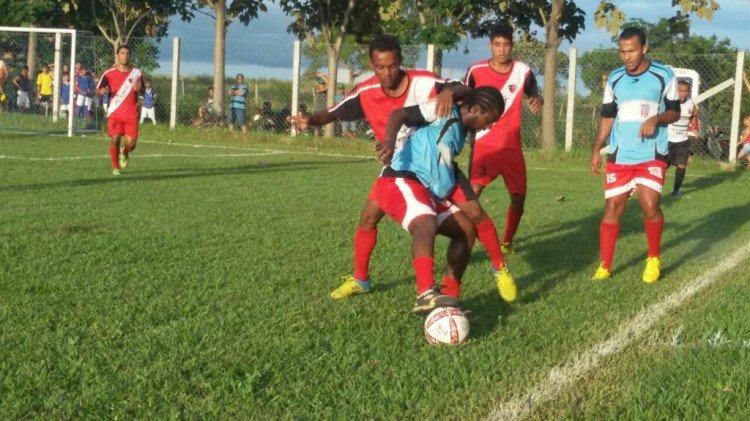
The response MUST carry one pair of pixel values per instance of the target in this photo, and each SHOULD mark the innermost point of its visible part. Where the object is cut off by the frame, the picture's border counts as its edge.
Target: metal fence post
(431, 57)
(569, 115)
(295, 80)
(175, 76)
(736, 107)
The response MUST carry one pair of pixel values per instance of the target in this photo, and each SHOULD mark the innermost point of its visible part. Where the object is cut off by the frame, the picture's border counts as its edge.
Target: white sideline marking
(579, 364)
(159, 155)
(278, 151)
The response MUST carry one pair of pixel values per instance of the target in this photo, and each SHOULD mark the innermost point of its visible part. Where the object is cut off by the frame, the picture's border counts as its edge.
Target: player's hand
(444, 103)
(385, 151)
(535, 103)
(299, 122)
(648, 128)
(596, 162)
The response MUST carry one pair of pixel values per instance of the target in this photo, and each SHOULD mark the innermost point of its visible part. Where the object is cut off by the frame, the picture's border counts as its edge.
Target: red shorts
(404, 199)
(623, 178)
(488, 163)
(117, 127)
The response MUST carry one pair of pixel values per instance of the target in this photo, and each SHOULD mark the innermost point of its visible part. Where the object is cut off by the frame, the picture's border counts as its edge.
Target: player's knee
(370, 217)
(423, 226)
(517, 201)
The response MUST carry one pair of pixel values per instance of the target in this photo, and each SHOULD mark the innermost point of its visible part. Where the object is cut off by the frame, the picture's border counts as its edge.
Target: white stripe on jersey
(414, 208)
(637, 110)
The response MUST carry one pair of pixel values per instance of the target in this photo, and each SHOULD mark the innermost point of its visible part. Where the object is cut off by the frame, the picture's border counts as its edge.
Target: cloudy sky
(266, 44)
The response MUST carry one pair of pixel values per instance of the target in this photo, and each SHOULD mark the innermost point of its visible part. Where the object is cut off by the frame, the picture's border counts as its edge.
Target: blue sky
(267, 45)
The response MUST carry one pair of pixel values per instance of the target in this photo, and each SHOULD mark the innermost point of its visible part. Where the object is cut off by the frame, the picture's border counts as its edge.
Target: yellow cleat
(350, 287)
(506, 286)
(123, 160)
(651, 272)
(601, 273)
(507, 248)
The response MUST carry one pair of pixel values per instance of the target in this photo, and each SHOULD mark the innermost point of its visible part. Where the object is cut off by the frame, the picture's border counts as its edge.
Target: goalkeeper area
(196, 285)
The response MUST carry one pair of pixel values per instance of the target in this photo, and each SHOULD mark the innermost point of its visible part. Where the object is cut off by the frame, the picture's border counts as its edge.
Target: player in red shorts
(391, 88)
(123, 82)
(497, 151)
(640, 100)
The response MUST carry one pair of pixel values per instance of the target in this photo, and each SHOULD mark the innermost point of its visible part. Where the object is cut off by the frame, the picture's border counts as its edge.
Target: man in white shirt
(679, 146)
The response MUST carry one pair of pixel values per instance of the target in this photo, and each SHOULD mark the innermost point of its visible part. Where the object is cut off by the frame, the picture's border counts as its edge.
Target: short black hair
(502, 30)
(122, 47)
(683, 82)
(487, 98)
(631, 32)
(386, 43)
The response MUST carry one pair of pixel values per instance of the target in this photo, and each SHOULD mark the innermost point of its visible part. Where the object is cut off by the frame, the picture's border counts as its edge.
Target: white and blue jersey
(631, 100)
(149, 98)
(429, 150)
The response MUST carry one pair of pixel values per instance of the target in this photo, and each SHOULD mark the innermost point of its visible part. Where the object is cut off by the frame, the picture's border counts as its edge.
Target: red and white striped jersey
(368, 100)
(122, 105)
(506, 132)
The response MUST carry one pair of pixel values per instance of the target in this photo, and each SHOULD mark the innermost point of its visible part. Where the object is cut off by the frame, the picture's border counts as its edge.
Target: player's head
(632, 46)
(501, 42)
(25, 70)
(210, 91)
(45, 69)
(81, 69)
(66, 77)
(240, 78)
(123, 55)
(148, 83)
(683, 90)
(385, 60)
(482, 107)
(746, 121)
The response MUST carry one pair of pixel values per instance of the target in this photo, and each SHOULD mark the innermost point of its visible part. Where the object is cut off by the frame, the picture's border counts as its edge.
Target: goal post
(13, 53)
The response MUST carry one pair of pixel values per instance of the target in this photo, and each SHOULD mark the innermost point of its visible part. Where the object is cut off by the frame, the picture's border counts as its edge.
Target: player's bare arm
(386, 147)
(451, 93)
(301, 121)
(648, 128)
(605, 128)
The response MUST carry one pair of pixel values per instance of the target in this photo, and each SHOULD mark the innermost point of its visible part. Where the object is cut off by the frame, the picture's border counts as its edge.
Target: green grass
(197, 287)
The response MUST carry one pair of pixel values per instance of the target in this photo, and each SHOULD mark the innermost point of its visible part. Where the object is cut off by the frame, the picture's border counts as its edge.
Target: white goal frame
(56, 84)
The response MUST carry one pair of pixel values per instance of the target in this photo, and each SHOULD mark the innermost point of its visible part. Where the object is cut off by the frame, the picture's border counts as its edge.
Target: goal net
(47, 81)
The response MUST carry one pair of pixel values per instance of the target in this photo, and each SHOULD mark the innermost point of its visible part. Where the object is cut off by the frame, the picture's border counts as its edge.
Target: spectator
(321, 96)
(348, 128)
(207, 107)
(84, 89)
(44, 88)
(3, 79)
(25, 89)
(745, 141)
(148, 101)
(237, 98)
(65, 95)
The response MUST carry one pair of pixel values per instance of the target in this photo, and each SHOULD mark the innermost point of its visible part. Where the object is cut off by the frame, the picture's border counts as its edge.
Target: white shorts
(148, 113)
(23, 99)
(63, 107)
(83, 101)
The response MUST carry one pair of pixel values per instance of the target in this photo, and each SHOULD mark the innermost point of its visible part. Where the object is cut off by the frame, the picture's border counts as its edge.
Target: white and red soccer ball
(446, 326)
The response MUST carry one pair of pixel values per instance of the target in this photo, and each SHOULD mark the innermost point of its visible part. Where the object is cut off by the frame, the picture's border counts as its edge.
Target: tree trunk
(552, 42)
(31, 58)
(220, 32)
(333, 61)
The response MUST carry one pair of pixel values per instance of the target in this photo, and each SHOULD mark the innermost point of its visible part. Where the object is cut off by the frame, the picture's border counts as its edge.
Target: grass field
(196, 285)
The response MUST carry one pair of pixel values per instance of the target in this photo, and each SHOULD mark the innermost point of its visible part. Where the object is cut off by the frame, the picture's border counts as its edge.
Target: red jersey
(123, 99)
(506, 132)
(368, 100)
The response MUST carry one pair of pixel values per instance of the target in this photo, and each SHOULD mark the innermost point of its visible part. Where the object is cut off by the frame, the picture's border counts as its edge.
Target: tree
(610, 17)
(333, 19)
(242, 10)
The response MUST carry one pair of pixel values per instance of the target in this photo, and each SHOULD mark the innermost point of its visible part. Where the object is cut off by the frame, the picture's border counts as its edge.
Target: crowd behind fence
(267, 68)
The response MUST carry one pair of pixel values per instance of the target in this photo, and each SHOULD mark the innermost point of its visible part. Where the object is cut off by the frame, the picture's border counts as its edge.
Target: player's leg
(453, 224)
(115, 131)
(514, 176)
(649, 186)
(130, 129)
(485, 167)
(230, 118)
(152, 114)
(618, 184)
(143, 115)
(678, 156)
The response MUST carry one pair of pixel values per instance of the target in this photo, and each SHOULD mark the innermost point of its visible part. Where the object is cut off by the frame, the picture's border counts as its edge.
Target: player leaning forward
(640, 100)
(123, 82)
(414, 188)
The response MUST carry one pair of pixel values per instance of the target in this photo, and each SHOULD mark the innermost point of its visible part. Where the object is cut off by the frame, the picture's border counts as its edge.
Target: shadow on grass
(179, 173)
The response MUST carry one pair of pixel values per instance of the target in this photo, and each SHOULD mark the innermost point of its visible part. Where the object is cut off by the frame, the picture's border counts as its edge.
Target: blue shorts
(746, 148)
(237, 116)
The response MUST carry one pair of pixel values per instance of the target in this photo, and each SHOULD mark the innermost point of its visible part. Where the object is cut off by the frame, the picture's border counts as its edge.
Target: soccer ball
(446, 326)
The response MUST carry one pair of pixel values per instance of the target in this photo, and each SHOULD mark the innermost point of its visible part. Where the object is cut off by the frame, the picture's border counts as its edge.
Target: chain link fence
(266, 64)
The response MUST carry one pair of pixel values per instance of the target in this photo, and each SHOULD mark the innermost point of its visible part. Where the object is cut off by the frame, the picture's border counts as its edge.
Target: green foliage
(611, 18)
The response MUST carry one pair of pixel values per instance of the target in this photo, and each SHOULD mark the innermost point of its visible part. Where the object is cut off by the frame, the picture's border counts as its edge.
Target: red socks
(512, 220)
(487, 235)
(114, 155)
(607, 238)
(654, 230)
(423, 268)
(451, 286)
(364, 244)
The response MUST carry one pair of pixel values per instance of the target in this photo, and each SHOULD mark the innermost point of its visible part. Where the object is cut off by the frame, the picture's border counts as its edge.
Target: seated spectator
(207, 107)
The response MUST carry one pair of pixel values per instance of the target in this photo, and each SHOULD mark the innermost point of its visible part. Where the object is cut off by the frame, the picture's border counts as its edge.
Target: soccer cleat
(431, 299)
(601, 273)
(351, 286)
(506, 285)
(123, 160)
(651, 272)
(507, 248)
(677, 193)
(115, 171)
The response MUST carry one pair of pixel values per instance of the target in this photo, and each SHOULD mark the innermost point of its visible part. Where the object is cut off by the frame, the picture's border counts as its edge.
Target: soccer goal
(44, 88)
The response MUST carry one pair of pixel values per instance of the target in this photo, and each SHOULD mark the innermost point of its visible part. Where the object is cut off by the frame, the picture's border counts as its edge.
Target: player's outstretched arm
(605, 128)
